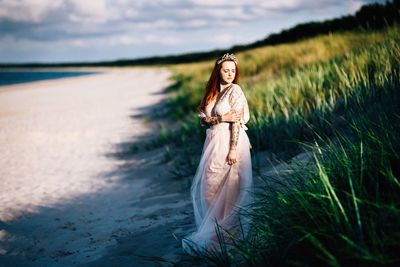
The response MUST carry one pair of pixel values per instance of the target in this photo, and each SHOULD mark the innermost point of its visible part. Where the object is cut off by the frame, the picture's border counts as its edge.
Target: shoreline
(37, 83)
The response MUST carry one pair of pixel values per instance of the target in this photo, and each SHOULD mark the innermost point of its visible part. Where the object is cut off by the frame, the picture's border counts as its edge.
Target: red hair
(212, 87)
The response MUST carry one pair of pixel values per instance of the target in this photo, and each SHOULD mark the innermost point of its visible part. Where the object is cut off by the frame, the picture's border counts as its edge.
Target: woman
(223, 179)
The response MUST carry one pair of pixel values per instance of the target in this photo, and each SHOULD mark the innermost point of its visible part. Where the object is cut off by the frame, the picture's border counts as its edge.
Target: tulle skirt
(220, 191)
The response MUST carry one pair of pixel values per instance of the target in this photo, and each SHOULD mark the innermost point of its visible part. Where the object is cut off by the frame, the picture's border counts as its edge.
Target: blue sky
(96, 30)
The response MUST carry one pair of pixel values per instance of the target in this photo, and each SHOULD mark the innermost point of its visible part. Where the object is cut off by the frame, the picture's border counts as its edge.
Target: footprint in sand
(69, 226)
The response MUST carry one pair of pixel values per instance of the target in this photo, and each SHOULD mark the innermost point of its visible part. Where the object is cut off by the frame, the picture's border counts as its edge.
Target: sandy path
(65, 200)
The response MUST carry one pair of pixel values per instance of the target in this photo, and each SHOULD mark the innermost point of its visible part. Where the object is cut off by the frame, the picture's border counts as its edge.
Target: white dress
(218, 189)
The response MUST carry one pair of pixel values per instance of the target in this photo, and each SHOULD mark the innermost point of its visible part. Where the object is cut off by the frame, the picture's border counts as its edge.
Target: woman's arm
(227, 117)
(234, 135)
(237, 105)
(235, 127)
(212, 120)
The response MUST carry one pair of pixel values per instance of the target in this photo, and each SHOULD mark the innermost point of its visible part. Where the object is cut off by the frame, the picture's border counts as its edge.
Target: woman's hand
(231, 157)
(231, 117)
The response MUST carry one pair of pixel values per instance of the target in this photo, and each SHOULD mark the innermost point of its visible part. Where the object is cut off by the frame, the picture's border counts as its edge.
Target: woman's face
(228, 71)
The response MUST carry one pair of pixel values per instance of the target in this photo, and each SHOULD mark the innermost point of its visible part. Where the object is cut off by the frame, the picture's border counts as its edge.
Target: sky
(103, 30)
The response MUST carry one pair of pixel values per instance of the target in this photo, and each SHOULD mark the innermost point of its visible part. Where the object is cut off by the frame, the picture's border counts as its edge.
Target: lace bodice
(232, 98)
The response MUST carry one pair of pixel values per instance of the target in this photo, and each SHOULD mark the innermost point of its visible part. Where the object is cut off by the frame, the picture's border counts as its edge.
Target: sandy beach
(67, 198)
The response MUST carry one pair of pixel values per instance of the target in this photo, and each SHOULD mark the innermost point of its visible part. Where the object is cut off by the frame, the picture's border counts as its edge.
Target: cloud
(145, 39)
(43, 24)
(222, 39)
(102, 11)
(262, 3)
(113, 15)
(27, 10)
(89, 11)
(40, 11)
(114, 40)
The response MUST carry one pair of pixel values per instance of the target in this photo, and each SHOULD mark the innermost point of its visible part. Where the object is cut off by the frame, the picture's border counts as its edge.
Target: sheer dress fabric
(218, 189)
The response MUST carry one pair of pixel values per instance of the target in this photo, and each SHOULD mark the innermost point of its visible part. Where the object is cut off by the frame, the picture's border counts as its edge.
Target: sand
(67, 197)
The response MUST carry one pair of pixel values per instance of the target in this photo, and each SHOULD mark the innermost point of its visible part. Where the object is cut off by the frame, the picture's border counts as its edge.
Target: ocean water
(15, 77)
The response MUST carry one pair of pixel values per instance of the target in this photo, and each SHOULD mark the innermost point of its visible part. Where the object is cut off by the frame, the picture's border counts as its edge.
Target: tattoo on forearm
(234, 135)
(211, 120)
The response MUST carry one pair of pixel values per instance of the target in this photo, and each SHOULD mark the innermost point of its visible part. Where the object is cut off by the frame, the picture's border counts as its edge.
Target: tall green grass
(294, 85)
(342, 210)
(287, 101)
(343, 207)
(320, 93)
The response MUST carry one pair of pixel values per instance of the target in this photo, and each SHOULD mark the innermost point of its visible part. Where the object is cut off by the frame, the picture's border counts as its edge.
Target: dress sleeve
(238, 103)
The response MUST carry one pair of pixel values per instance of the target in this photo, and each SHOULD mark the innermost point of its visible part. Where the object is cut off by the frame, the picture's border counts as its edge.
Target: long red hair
(212, 87)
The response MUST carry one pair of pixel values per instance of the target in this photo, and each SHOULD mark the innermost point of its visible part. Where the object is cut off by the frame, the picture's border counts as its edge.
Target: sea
(15, 77)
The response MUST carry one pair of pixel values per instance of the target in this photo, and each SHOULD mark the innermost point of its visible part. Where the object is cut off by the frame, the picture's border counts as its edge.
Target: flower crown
(227, 57)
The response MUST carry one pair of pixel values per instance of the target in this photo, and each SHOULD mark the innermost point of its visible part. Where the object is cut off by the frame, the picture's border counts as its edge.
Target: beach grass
(342, 210)
(336, 96)
(291, 86)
